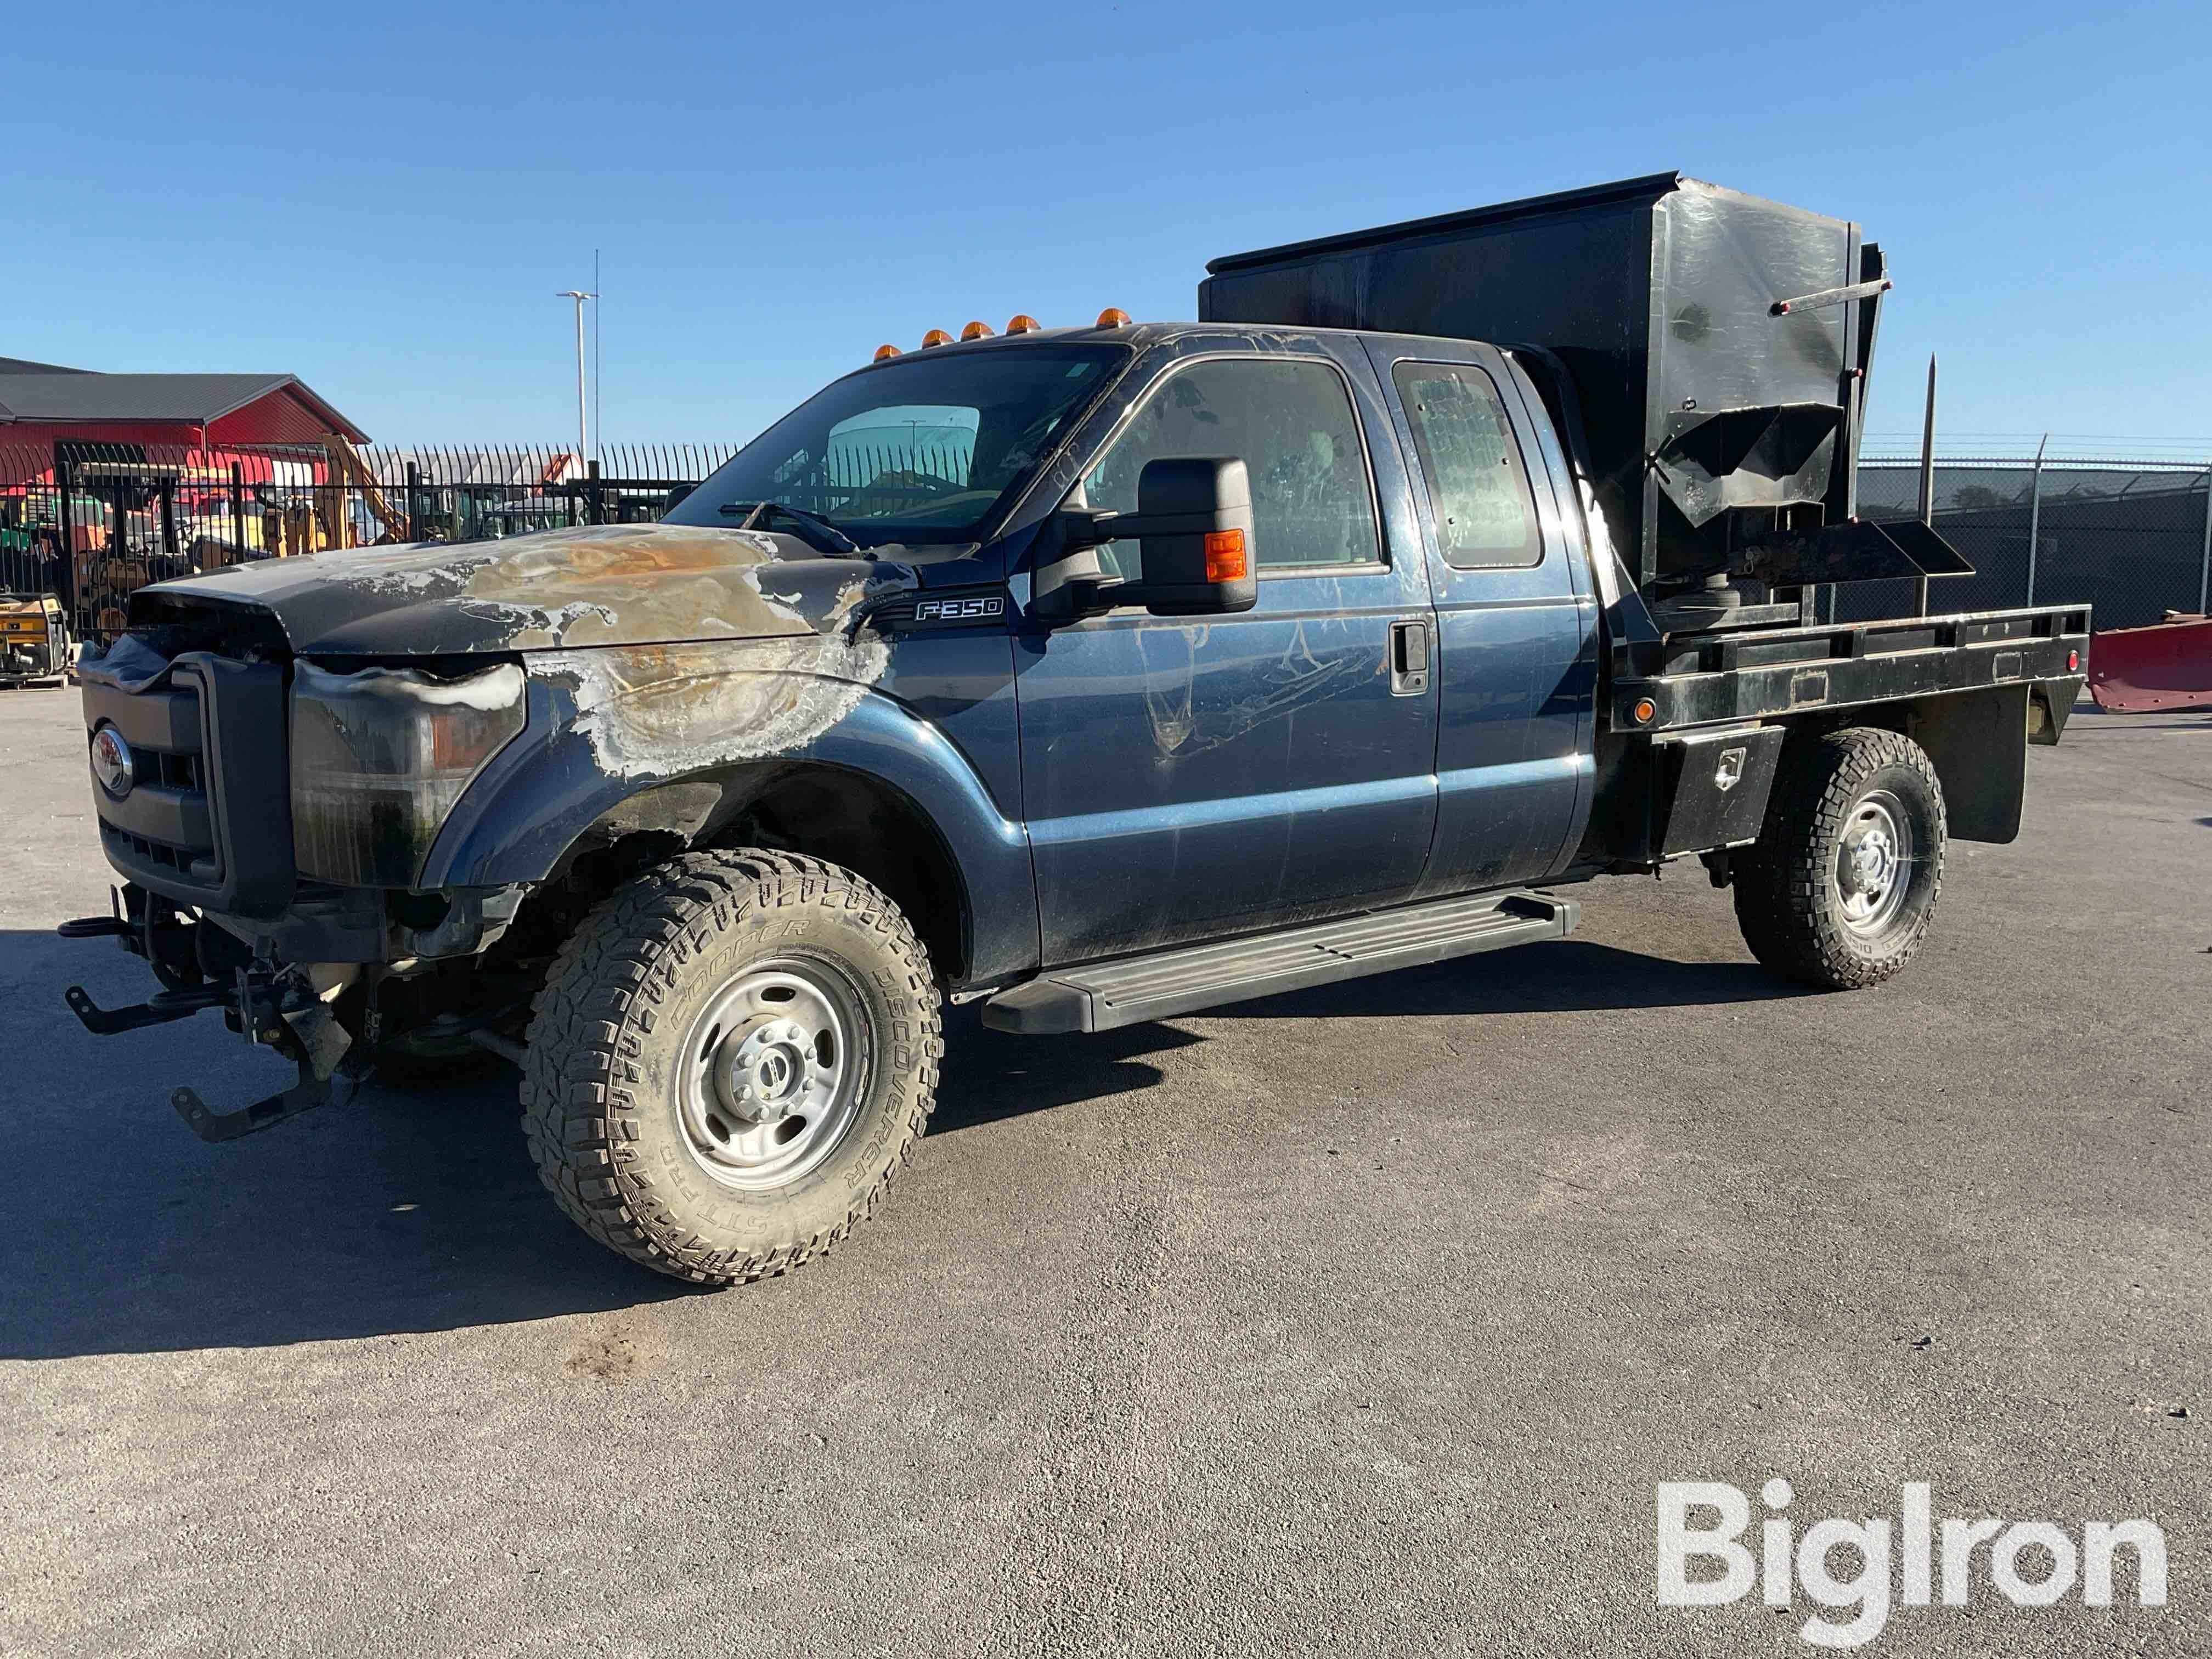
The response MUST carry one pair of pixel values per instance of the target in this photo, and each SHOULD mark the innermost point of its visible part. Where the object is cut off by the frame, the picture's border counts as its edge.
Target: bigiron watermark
(2032, 1563)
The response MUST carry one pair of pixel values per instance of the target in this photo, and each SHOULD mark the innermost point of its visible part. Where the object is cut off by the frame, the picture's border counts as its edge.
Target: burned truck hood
(555, 590)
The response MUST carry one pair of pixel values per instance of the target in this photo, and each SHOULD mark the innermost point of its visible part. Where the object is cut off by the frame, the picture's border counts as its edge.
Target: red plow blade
(2165, 666)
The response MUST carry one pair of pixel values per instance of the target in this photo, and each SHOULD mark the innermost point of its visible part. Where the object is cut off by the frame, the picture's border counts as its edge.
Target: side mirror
(1194, 526)
(1193, 522)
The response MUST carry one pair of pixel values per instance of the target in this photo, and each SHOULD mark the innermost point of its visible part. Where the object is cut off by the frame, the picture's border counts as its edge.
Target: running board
(1101, 995)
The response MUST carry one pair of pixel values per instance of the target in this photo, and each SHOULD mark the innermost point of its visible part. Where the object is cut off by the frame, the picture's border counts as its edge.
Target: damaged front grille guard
(272, 1006)
(306, 1034)
(275, 1007)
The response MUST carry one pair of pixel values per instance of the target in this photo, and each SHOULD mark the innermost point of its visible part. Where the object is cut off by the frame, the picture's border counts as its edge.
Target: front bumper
(324, 1013)
(301, 1012)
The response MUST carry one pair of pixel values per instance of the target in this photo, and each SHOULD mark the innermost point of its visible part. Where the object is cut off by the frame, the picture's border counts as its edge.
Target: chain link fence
(2132, 538)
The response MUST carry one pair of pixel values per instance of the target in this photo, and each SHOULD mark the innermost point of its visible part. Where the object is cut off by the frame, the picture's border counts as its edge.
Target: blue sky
(386, 202)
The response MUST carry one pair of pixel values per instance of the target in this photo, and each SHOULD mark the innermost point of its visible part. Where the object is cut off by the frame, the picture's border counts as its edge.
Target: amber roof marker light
(977, 330)
(1113, 317)
(885, 352)
(1023, 323)
(935, 337)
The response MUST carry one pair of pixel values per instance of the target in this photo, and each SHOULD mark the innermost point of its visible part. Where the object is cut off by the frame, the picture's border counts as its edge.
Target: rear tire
(730, 1059)
(1841, 886)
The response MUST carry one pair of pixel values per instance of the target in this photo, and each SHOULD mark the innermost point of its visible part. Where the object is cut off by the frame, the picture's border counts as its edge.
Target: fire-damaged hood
(559, 589)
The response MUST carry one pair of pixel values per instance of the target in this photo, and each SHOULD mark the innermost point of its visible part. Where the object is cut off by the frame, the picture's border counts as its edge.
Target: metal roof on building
(43, 396)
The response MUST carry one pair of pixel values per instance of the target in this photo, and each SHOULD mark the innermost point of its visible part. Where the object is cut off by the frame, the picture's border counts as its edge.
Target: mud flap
(1978, 742)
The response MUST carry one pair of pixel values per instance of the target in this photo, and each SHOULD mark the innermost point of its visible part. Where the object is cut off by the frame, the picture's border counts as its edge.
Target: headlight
(378, 758)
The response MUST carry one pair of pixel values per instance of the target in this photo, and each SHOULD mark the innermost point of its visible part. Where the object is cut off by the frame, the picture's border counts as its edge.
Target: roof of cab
(1136, 335)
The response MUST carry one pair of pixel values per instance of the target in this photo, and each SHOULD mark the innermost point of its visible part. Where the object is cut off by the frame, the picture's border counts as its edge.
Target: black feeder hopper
(1717, 346)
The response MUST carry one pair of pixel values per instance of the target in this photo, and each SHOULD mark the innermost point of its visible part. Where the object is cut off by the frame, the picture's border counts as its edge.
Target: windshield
(922, 449)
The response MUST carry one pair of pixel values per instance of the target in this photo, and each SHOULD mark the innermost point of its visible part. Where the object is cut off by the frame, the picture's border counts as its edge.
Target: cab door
(1516, 623)
(1188, 777)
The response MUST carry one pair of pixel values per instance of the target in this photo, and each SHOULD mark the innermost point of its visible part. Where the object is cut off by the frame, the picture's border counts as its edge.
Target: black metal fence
(92, 523)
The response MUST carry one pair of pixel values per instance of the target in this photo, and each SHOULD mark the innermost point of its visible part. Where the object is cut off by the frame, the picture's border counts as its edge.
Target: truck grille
(207, 820)
(164, 820)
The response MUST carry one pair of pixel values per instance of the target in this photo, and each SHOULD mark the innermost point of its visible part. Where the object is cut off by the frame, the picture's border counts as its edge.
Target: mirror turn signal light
(884, 350)
(977, 330)
(1023, 323)
(1226, 557)
(1113, 317)
(935, 337)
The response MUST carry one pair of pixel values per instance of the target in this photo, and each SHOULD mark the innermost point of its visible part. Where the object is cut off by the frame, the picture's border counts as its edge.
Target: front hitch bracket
(308, 1036)
(309, 1092)
(160, 1011)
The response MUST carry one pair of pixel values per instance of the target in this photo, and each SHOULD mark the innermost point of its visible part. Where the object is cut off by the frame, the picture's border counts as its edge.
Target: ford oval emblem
(111, 762)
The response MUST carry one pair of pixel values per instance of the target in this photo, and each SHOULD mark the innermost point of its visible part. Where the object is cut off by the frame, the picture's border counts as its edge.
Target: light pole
(583, 446)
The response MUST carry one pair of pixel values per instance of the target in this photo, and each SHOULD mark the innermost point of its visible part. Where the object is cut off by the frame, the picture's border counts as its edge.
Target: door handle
(1409, 658)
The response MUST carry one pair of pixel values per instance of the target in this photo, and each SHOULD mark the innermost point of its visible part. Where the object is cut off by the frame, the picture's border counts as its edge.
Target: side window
(1292, 424)
(1478, 486)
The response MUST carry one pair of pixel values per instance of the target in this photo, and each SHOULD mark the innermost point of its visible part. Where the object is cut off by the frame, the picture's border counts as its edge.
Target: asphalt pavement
(1362, 1320)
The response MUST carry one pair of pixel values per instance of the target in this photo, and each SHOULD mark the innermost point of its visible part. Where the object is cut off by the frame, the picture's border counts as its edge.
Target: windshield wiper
(755, 511)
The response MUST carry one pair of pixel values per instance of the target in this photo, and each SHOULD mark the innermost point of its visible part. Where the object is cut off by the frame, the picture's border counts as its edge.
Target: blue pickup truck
(1095, 674)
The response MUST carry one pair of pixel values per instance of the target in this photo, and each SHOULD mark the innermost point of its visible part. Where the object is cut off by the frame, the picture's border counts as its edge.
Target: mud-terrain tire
(697, 1014)
(1840, 888)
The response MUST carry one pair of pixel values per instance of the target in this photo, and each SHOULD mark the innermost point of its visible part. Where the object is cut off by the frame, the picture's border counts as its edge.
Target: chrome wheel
(1873, 864)
(773, 1074)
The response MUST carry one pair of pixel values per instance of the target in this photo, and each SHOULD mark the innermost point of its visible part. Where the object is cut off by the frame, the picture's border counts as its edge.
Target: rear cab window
(1477, 480)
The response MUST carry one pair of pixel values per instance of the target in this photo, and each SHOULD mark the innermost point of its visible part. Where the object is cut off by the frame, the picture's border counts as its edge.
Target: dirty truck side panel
(1517, 660)
(1186, 777)
(685, 732)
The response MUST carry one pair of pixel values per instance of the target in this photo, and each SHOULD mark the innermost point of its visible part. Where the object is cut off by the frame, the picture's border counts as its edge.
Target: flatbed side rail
(1758, 673)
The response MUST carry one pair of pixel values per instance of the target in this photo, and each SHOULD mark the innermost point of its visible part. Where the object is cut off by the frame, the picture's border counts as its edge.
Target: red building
(110, 481)
(218, 419)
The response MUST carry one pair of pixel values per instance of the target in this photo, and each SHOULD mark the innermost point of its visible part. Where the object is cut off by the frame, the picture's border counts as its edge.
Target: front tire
(729, 1060)
(1840, 888)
